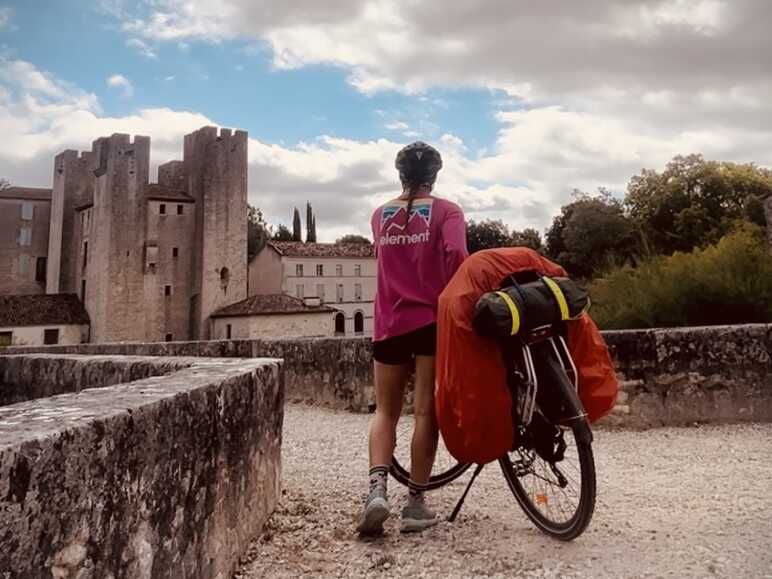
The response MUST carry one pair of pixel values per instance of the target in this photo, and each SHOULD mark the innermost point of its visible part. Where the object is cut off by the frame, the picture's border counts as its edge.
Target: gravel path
(693, 502)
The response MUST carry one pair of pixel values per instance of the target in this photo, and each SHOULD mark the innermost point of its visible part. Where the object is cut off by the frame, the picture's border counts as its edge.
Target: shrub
(726, 283)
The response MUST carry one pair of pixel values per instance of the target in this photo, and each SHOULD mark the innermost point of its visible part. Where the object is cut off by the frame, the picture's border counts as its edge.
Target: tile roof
(299, 249)
(26, 193)
(269, 304)
(161, 193)
(41, 310)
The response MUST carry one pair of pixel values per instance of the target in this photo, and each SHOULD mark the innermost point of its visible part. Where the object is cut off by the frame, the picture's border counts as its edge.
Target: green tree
(297, 233)
(283, 233)
(353, 238)
(591, 232)
(310, 224)
(258, 231)
(729, 282)
(528, 237)
(694, 202)
(487, 234)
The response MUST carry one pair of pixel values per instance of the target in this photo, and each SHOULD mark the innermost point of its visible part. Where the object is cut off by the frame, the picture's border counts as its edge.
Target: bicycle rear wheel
(560, 500)
(446, 469)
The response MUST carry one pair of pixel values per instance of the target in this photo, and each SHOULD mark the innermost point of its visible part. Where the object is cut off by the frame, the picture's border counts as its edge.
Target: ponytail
(411, 193)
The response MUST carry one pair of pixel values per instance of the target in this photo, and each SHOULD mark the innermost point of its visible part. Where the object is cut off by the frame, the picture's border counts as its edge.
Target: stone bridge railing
(669, 376)
(136, 467)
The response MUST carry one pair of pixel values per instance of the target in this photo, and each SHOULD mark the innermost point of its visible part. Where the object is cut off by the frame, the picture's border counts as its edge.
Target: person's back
(417, 255)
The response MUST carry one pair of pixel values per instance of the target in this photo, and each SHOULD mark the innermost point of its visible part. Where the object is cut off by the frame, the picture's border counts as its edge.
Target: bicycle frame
(533, 382)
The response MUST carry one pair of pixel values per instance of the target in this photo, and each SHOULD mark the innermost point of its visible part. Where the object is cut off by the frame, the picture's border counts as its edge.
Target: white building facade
(342, 277)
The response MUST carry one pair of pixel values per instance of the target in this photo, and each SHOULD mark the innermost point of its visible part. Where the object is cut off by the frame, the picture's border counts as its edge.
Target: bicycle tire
(402, 475)
(551, 372)
(575, 526)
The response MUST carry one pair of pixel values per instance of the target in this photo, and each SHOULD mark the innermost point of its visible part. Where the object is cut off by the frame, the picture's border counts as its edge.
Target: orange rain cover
(472, 400)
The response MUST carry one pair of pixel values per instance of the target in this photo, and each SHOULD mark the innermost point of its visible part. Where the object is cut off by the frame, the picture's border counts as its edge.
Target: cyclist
(420, 241)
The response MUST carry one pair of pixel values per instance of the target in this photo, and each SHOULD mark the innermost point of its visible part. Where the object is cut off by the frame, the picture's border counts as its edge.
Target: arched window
(225, 277)
(340, 324)
(359, 323)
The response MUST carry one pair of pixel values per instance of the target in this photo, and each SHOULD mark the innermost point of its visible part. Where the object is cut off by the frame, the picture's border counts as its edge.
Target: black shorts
(402, 349)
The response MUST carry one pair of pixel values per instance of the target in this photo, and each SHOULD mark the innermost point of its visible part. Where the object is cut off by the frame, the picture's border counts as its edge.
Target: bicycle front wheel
(559, 498)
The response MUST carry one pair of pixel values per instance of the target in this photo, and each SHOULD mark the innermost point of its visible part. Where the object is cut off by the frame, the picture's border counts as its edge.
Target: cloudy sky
(525, 100)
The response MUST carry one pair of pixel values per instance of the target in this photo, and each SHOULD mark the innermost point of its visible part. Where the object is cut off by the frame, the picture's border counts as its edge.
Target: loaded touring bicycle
(549, 465)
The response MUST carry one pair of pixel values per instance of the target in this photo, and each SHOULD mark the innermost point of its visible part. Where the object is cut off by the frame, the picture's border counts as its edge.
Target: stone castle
(150, 261)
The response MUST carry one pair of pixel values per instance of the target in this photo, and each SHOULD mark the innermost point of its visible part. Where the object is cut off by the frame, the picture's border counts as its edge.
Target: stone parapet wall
(166, 477)
(29, 377)
(669, 376)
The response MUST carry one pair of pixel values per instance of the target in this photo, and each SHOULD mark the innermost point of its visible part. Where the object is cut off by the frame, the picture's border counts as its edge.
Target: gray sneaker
(375, 513)
(417, 517)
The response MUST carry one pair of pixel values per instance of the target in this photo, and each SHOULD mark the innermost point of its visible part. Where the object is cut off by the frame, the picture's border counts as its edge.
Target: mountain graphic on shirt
(393, 214)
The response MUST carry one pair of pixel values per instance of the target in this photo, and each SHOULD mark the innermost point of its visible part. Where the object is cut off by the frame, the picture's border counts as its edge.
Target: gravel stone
(672, 502)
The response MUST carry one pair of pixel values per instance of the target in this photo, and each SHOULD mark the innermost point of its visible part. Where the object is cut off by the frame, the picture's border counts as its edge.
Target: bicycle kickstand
(454, 514)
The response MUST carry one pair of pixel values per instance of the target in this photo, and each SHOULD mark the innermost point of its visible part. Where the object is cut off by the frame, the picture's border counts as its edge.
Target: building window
(167, 290)
(320, 292)
(179, 210)
(162, 209)
(25, 237)
(51, 337)
(358, 270)
(169, 337)
(339, 270)
(358, 291)
(24, 264)
(26, 211)
(339, 292)
(40, 269)
(6, 339)
(299, 270)
(359, 323)
(228, 332)
(83, 291)
(175, 251)
(299, 291)
(320, 270)
(340, 324)
(85, 254)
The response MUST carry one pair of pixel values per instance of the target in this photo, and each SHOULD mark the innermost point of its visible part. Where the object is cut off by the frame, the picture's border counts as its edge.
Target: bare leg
(389, 388)
(425, 435)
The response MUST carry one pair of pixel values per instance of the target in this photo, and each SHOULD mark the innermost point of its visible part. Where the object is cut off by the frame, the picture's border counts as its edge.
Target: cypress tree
(297, 234)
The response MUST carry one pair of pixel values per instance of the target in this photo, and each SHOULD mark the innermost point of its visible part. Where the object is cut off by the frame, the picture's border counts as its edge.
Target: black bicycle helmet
(418, 164)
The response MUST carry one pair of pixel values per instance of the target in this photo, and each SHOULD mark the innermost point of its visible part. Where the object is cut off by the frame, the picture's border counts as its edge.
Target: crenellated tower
(73, 189)
(114, 284)
(215, 167)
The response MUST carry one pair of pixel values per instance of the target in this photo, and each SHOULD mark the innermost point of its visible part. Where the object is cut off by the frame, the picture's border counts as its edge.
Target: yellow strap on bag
(512, 310)
(559, 296)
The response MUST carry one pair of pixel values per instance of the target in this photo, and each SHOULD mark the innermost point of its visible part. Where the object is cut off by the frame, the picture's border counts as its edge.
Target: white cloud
(644, 21)
(118, 81)
(141, 47)
(6, 14)
(396, 126)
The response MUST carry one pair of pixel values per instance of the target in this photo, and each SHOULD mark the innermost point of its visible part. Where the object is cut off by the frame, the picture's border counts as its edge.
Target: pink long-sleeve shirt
(417, 256)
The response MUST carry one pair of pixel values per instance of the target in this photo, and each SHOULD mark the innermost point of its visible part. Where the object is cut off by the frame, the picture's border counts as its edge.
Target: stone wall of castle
(73, 189)
(215, 167)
